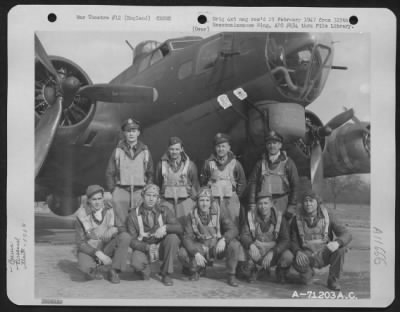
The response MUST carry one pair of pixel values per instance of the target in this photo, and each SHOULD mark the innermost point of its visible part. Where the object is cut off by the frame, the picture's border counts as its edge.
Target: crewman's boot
(253, 276)
(306, 277)
(114, 277)
(333, 284)
(94, 274)
(232, 280)
(167, 280)
(281, 274)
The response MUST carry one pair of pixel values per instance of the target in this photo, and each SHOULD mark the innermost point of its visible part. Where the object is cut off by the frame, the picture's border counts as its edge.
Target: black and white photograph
(196, 168)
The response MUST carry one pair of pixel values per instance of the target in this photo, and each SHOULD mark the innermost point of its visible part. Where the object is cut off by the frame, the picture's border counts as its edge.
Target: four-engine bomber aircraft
(239, 83)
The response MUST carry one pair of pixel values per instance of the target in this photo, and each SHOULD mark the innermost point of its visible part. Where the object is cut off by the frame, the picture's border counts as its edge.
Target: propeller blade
(358, 122)
(316, 165)
(45, 131)
(340, 119)
(118, 93)
(42, 56)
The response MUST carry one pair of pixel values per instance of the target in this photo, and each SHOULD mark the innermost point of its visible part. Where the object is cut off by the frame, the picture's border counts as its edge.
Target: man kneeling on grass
(208, 235)
(265, 238)
(98, 242)
(155, 234)
(318, 240)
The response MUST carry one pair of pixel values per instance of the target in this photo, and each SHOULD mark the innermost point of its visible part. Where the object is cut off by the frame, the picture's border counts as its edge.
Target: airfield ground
(57, 275)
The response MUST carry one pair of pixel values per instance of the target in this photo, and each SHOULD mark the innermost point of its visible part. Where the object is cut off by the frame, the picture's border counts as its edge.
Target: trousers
(230, 207)
(117, 249)
(121, 199)
(324, 257)
(168, 249)
(231, 255)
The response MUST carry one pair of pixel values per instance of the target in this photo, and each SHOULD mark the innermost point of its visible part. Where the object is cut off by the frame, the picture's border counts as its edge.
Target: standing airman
(176, 175)
(129, 169)
(275, 173)
(224, 174)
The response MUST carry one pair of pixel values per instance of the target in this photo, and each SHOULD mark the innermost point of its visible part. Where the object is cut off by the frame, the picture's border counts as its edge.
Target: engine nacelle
(347, 150)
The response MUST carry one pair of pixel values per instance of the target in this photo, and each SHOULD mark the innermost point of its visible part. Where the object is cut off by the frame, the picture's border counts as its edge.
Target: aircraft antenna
(132, 48)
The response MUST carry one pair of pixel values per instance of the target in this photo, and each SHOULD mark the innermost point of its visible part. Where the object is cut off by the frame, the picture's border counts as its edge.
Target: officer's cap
(94, 189)
(263, 194)
(174, 140)
(221, 138)
(130, 124)
(273, 136)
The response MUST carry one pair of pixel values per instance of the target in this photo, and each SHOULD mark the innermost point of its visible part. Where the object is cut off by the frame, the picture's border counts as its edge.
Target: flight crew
(318, 240)
(176, 175)
(98, 242)
(265, 238)
(275, 173)
(129, 169)
(155, 234)
(224, 174)
(208, 235)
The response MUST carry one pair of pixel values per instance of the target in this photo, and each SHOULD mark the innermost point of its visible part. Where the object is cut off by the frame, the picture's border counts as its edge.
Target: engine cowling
(347, 150)
(77, 111)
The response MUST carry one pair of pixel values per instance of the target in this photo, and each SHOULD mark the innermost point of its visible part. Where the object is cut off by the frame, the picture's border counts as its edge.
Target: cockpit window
(157, 55)
(144, 63)
(208, 55)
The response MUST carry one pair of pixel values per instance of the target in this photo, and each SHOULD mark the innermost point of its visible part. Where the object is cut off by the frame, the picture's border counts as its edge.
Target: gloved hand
(200, 260)
(266, 263)
(302, 259)
(160, 232)
(254, 252)
(333, 246)
(220, 246)
(106, 260)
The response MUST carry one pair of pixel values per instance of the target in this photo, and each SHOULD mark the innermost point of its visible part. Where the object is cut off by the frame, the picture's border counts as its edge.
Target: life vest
(314, 237)
(131, 171)
(222, 181)
(273, 232)
(275, 180)
(142, 233)
(175, 183)
(209, 231)
(91, 228)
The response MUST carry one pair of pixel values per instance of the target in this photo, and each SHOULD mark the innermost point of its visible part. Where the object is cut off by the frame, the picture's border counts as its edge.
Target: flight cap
(263, 194)
(94, 189)
(174, 140)
(310, 194)
(151, 188)
(204, 192)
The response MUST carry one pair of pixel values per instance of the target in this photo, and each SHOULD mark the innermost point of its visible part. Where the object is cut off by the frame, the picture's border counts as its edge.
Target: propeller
(56, 99)
(316, 164)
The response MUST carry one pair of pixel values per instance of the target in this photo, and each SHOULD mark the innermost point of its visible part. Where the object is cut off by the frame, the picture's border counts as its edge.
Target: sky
(103, 55)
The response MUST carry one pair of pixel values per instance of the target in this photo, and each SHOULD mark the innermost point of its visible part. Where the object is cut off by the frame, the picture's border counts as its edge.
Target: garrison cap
(273, 136)
(221, 138)
(310, 194)
(93, 189)
(151, 187)
(204, 192)
(130, 124)
(174, 140)
(262, 194)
